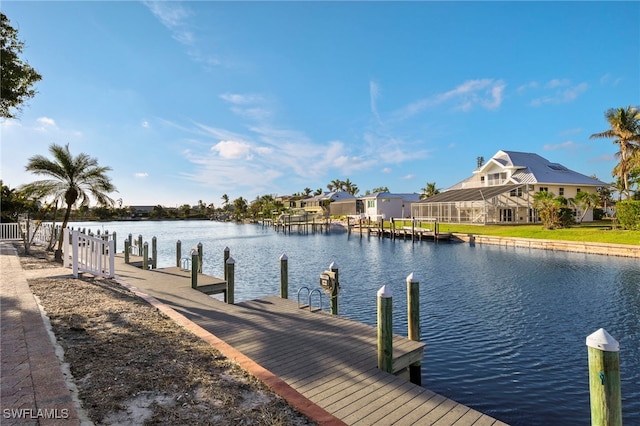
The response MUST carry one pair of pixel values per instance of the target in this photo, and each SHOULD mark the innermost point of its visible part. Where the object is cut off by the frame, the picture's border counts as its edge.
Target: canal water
(505, 328)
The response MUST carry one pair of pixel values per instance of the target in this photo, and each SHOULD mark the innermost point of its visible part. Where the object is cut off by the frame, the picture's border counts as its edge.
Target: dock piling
(200, 257)
(224, 264)
(385, 330)
(604, 379)
(413, 317)
(230, 280)
(284, 276)
(127, 247)
(145, 256)
(334, 289)
(178, 253)
(139, 245)
(194, 268)
(154, 253)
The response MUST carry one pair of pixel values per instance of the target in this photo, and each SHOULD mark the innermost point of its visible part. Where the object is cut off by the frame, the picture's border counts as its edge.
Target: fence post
(230, 280)
(194, 268)
(413, 317)
(200, 257)
(224, 265)
(145, 256)
(154, 253)
(178, 253)
(284, 276)
(604, 379)
(74, 251)
(112, 256)
(385, 331)
(334, 290)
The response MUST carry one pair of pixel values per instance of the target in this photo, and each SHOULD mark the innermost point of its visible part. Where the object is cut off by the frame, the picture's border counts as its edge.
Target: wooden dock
(330, 360)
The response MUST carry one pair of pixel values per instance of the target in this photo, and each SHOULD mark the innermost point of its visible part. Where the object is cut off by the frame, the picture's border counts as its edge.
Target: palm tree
(585, 201)
(625, 131)
(350, 187)
(225, 199)
(548, 206)
(429, 191)
(72, 180)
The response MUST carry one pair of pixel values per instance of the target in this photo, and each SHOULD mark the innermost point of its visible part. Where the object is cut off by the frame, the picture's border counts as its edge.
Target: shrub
(628, 214)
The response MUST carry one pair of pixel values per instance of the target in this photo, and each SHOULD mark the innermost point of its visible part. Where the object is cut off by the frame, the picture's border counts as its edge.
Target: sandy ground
(132, 365)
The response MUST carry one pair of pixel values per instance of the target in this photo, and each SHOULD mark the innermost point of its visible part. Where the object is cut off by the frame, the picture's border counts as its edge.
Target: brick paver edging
(279, 386)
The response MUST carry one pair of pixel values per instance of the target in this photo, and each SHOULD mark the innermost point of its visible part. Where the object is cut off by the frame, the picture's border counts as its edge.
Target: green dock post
(413, 317)
(145, 256)
(224, 264)
(139, 245)
(385, 330)
(127, 245)
(284, 276)
(604, 379)
(154, 253)
(334, 290)
(178, 253)
(230, 269)
(194, 268)
(200, 257)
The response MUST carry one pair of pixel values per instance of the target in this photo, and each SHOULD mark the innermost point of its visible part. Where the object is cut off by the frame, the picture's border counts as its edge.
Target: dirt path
(133, 365)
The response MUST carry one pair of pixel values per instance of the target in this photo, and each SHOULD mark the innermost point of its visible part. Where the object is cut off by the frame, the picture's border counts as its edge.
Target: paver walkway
(34, 390)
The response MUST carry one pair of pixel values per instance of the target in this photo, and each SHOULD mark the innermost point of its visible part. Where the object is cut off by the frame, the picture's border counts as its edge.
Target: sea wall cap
(603, 341)
(231, 261)
(283, 257)
(385, 292)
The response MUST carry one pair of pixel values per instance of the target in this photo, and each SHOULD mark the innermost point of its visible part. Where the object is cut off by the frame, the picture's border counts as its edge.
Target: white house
(385, 205)
(502, 191)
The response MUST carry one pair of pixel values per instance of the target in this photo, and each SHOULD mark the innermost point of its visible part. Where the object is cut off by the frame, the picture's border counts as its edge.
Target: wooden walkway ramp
(330, 360)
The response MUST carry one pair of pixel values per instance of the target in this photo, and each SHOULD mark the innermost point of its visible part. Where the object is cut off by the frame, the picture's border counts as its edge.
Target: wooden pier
(328, 359)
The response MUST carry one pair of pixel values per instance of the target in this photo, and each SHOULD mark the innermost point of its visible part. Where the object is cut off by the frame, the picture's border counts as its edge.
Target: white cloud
(46, 121)
(562, 96)
(240, 99)
(568, 145)
(409, 176)
(386, 170)
(141, 175)
(232, 149)
(145, 124)
(486, 93)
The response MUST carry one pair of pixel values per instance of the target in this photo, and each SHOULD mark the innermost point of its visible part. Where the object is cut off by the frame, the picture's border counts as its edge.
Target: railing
(10, 232)
(89, 254)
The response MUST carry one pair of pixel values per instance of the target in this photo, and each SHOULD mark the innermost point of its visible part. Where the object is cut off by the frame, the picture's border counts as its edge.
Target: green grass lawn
(597, 232)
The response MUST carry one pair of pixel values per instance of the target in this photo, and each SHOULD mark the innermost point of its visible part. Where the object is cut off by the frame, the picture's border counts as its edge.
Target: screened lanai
(480, 205)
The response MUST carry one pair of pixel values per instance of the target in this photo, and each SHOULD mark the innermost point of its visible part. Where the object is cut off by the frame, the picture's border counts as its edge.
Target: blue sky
(188, 101)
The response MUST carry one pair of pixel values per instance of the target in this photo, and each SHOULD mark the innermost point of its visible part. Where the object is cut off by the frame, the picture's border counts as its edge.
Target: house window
(561, 191)
(544, 189)
(371, 203)
(506, 215)
(516, 192)
(481, 179)
(577, 190)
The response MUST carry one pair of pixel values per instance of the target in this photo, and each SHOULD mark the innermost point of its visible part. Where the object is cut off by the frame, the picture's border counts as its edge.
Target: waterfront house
(502, 191)
(385, 205)
(320, 204)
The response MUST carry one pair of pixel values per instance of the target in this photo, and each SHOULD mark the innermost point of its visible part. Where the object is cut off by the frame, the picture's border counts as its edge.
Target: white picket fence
(84, 253)
(10, 232)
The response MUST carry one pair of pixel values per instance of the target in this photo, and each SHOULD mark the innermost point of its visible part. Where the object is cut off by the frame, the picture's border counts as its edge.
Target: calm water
(505, 328)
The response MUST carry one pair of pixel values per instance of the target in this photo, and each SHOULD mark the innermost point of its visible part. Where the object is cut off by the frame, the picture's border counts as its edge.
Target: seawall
(624, 250)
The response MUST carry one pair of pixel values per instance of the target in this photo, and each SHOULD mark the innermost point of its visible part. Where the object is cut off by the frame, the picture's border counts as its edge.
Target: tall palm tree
(225, 199)
(625, 131)
(585, 201)
(72, 180)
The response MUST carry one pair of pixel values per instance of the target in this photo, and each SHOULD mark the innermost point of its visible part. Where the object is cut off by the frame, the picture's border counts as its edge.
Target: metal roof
(470, 194)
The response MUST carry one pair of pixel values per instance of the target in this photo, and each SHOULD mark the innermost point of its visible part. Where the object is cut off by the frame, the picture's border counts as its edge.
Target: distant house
(502, 191)
(140, 211)
(385, 205)
(320, 204)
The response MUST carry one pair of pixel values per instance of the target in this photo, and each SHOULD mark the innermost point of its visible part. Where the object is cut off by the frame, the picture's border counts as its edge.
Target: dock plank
(330, 360)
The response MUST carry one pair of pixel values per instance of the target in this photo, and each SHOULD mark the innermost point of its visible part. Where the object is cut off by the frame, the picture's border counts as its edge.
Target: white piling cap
(283, 257)
(412, 278)
(385, 292)
(603, 341)
(225, 249)
(333, 265)
(230, 260)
